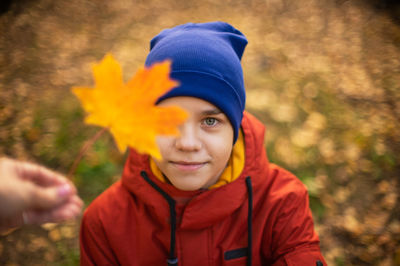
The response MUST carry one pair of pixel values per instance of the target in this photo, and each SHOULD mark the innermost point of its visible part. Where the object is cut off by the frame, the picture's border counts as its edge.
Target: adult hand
(32, 194)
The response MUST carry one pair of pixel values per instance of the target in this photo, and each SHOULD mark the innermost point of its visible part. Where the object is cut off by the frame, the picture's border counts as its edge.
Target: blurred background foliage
(323, 75)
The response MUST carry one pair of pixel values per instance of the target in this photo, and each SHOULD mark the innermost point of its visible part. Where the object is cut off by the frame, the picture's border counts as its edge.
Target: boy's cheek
(164, 143)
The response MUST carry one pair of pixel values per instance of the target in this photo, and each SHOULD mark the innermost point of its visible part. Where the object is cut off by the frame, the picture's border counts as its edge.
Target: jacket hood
(205, 206)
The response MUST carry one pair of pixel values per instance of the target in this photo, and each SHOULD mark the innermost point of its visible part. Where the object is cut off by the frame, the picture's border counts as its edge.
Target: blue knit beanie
(206, 61)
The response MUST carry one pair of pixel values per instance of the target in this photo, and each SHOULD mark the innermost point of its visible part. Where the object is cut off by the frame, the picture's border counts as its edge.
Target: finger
(76, 202)
(34, 173)
(68, 211)
(39, 174)
(47, 198)
(38, 217)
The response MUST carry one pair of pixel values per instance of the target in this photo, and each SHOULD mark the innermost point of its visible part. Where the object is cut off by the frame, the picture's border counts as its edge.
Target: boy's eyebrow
(215, 111)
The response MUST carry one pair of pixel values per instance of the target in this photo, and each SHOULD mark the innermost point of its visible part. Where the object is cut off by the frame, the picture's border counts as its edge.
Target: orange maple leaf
(128, 110)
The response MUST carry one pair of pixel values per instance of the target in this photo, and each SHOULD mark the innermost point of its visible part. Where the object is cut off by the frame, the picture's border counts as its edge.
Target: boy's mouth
(187, 166)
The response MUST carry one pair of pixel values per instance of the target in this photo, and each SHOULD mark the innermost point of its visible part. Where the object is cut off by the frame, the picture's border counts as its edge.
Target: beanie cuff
(218, 92)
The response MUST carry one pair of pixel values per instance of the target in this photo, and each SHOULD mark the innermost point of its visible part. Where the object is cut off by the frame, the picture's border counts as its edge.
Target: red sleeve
(304, 256)
(93, 242)
(295, 241)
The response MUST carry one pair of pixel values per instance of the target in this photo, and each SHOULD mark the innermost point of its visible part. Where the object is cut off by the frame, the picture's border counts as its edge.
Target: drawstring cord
(249, 218)
(172, 260)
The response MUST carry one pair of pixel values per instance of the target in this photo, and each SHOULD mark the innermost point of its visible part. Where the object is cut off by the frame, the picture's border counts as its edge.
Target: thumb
(44, 198)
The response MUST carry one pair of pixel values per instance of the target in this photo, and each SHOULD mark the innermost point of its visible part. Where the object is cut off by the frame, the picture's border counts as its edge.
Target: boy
(213, 199)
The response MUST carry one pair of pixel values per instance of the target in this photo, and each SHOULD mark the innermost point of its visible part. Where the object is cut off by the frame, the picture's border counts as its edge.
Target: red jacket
(135, 222)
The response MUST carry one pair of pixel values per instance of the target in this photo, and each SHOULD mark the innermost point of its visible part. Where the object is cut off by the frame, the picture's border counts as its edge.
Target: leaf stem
(83, 150)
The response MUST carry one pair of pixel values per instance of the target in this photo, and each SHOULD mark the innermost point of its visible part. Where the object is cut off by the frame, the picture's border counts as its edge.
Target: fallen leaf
(55, 234)
(128, 110)
(68, 232)
(49, 226)
(20, 246)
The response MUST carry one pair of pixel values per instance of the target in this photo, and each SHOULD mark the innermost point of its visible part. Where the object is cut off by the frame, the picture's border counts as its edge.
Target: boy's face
(196, 158)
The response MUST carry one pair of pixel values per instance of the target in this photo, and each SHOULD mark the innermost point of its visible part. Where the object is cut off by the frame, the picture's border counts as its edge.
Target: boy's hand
(32, 194)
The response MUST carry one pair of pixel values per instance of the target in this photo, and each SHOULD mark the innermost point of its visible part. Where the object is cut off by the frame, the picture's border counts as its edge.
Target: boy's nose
(188, 140)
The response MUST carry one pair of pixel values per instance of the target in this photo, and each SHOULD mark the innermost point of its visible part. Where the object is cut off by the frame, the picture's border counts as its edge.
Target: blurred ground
(324, 76)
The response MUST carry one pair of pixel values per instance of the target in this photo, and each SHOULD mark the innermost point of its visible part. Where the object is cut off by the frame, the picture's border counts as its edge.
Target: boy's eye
(209, 121)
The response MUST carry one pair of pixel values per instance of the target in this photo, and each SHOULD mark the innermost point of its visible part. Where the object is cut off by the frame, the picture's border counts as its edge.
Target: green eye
(209, 121)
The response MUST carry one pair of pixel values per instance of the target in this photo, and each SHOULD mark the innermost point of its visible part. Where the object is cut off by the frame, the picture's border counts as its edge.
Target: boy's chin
(187, 186)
